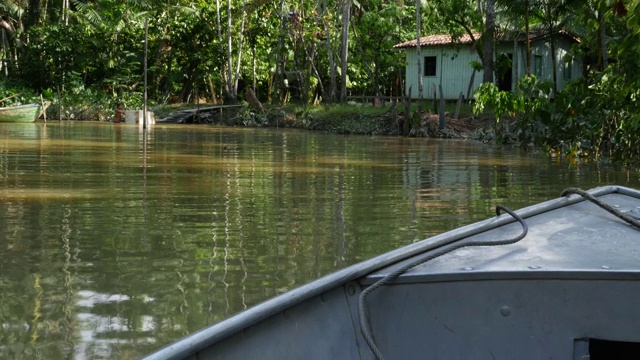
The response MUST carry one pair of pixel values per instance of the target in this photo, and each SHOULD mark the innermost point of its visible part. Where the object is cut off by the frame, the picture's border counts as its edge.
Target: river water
(115, 242)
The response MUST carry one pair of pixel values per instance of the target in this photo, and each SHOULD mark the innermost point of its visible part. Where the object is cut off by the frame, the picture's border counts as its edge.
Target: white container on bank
(133, 117)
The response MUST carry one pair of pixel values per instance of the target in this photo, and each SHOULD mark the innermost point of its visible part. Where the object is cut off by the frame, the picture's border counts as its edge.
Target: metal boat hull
(20, 114)
(568, 290)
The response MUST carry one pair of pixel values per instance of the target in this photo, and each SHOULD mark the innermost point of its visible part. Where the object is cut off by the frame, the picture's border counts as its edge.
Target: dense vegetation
(88, 55)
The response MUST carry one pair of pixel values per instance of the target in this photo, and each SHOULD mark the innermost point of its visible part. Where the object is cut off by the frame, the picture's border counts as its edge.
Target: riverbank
(352, 119)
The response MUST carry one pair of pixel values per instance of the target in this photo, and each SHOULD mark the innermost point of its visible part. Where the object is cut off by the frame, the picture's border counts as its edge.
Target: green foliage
(249, 117)
(602, 116)
(350, 119)
(521, 116)
(95, 59)
(476, 65)
(16, 93)
(305, 116)
(502, 64)
(596, 118)
(374, 65)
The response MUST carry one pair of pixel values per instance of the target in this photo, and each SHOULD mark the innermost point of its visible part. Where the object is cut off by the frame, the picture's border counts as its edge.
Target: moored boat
(21, 113)
(556, 280)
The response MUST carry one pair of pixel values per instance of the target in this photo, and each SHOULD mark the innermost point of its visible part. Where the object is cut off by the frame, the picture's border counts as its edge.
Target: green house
(447, 61)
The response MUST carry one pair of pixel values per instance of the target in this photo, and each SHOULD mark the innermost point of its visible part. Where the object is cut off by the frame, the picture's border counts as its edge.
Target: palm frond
(88, 12)
(12, 9)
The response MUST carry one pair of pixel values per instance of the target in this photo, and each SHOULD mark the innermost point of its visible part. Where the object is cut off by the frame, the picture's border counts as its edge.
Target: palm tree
(520, 9)
(553, 16)
(344, 48)
(487, 41)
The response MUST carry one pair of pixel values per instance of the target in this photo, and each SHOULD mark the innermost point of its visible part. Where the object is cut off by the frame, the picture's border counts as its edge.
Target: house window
(568, 67)
(537, 65)
(429, 66)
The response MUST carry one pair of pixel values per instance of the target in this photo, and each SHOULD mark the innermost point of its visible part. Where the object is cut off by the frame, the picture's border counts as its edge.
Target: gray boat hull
(568, 290)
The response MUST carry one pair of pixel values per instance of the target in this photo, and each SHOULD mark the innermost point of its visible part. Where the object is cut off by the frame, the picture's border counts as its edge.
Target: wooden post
(460, 100)
(145, 116)
(407, 114)
(44, 108)
(59, 106)
(473, 75)
(435, 99)
(443, 121)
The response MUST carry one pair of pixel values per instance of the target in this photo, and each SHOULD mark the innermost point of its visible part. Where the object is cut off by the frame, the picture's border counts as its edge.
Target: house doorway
(504, 71)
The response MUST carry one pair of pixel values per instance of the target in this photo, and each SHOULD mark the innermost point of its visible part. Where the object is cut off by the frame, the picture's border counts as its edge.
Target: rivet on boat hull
(351, 290)
(505, 311)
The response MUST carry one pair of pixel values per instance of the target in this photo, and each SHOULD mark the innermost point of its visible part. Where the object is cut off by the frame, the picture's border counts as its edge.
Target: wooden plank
(208, 108)
(443, 121)
(460, 99)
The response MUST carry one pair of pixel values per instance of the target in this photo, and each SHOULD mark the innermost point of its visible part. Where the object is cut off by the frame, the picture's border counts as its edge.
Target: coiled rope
(365, 325)
(625, 217)
(363, 312)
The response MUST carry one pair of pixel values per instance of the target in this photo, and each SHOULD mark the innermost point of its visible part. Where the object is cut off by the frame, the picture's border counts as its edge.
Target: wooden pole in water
(59, 105)
(460, 100)
(435, 99)
(43, 107)
(146, 41)
(443, 121)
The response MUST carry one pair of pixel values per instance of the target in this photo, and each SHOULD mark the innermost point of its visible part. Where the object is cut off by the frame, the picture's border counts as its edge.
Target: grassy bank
(354, 119)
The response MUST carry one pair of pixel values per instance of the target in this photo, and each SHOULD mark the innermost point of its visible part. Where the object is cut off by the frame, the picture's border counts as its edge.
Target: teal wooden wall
(453, 69)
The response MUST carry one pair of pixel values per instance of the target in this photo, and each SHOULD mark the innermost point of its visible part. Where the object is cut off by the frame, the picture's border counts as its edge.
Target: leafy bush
(595, 118)
(603, 114)
(14, 93)
(521, 116)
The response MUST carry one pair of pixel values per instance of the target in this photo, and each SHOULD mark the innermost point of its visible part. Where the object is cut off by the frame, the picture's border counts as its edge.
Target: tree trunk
(367, 67)
(219, 26)
(333, 86)
(279, 75)
(44, 11)
(253, 67)
(218, 20)
(231, 95)
(419, 56)
(253, 100)
(5, 51)
(514, 57)
(550, 25)
(554, 64)
(65, 12)
(310, 54)
(169, 85)
(487, 42)
(236, 74)
(233, 74)
(187, 84)
(212, 90)
(6, 26)
(33, 13)
(344, 50)
(603, 40)
(528, 39)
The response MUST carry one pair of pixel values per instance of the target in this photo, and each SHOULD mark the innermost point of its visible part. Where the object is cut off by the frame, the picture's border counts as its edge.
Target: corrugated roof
(436, 40)
(443, 39)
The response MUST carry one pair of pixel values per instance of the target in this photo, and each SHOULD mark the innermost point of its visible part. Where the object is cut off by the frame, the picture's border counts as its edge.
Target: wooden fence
(376, 100)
